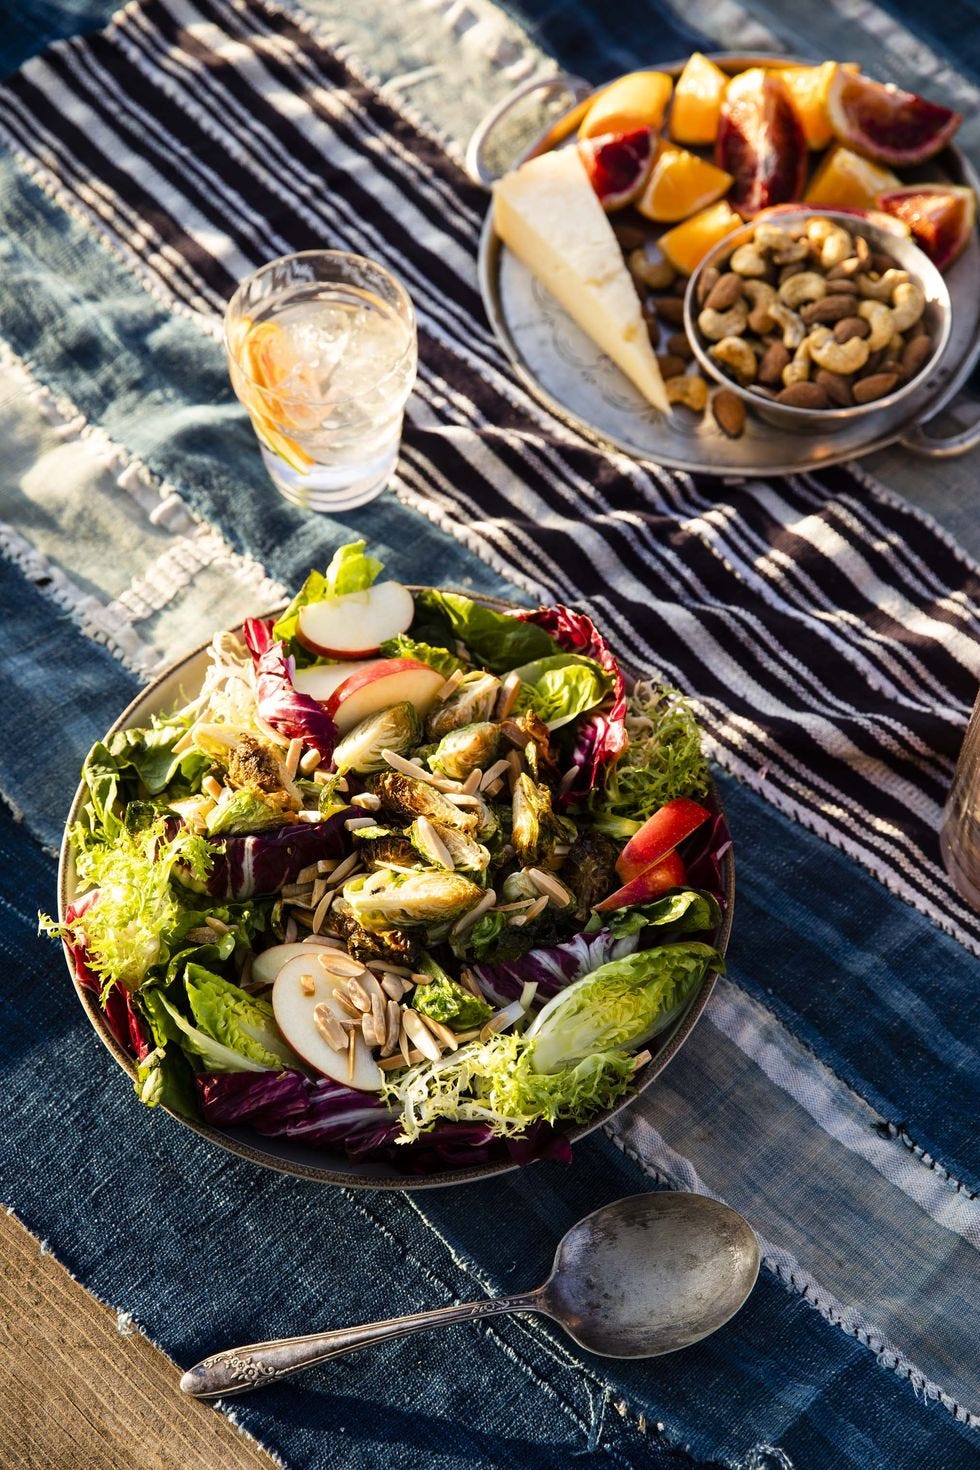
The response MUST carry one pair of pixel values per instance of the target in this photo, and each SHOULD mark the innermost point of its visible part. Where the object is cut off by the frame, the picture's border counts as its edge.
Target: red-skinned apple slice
(293, 1010)
(659, 835)
(761, 142)
(378, 686)
(266, 966)
(651, 883)
(357, 624)
(320, 680)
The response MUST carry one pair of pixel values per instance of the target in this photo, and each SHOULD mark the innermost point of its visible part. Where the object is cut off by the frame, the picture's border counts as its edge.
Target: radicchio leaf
(292, 714)
(553, 969)
(265, 861)
(125, 1023)
(601, 735)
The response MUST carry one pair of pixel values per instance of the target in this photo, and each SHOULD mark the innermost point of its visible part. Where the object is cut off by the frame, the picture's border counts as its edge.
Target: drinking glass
(322, 353)
(959, 838)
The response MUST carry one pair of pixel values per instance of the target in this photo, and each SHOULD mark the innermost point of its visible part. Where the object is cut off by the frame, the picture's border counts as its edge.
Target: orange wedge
(680, 184)
(638, 100)
(697, 101)
(845, 180)
(686, 245)
(265, 364)
(808, 87)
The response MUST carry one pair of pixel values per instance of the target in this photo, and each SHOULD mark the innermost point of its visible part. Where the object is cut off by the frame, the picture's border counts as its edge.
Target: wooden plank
(77, 1392)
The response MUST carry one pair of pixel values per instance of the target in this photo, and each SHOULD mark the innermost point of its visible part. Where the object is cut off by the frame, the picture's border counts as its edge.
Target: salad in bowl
(412, 881)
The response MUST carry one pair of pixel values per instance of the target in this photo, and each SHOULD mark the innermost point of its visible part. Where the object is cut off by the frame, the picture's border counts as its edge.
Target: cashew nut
(837, 246)
(908, 304)
(735, 354)
(793, 329)
(838, 357)
(784, 248)
(717, 324)
(656, 274)
(895, 347)
(807, 286)
(818, 229)
(759, 292)
(881, 320)
(881, 290)
(747, 261)
(798, 370)
(689, 390)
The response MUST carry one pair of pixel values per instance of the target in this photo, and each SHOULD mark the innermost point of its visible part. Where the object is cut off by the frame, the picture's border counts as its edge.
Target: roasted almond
(679, 346)
(706, 282)
(803, 395)
(771, 364)
(866, 390)
(671, 309)
(828, 309)
(670, 365)
(836, 387)
(729, 412)
(725, 292)
(850, 326)
(915, 354)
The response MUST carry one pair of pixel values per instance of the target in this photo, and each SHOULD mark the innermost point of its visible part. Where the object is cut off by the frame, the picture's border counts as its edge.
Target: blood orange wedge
(686, 245)
(618, 165)
(808, 86)
(886, 124)
(846, 180)
(696, 106)
(680, 184)
(638, 100)
(940, 216)
(761, 142)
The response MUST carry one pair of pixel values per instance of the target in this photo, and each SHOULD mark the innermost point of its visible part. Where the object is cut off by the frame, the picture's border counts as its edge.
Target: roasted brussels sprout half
(386, 899)
(427, 838)
(398, 728)
(535, 826)
(397, 946)
(386, 849)
(472, 701)
(405, 799)
(589, 870)
(467, 749)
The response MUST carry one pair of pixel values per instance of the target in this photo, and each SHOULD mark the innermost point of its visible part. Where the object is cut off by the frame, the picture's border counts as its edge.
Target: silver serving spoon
(645, 1275)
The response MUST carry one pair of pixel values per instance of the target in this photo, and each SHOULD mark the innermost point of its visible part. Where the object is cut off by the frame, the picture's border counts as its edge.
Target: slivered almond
(419, 979)
(344, 869)
(477, 911)
(359, 996)
(516, 767)
(442, 1033)
(473, 782)
(321, 777)
(367, 801)
(538, 907)
(329, 1027)
(212, 787)
(296, 890)
(393, 987)
(494, 789)
(393, 1025)
(418, 1032)
(468, 981)
(444, 690)
(371, 984)
(390, 968)
(379, 1015)
(403, 1045)
(346, 1005)
(293, 753)
(322, 910)
(307, 984)
(351, 1055)
(326, 865)
(354, 824)
(217, 925)
(369, 1030)
(407, 768)
(568, 780)
(551, 887)
(432, 839)
(320, 888)
(463, 799)
(342, 964)
(641, 1059)
(509, 691)
(309, 763)
(307, 874)
(492, 772)
(290, 931)
(406, 1058)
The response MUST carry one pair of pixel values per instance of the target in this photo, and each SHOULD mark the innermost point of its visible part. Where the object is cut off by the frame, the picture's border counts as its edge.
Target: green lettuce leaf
(685, 911)
(562, 687)
(622, 1004)
(350, 570)
(496, 640)
(242, 1022)
(169, 1025)
(440, 659)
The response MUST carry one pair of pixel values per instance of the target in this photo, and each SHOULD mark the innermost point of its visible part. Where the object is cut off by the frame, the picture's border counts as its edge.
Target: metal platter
(567, 372)
(177, 685)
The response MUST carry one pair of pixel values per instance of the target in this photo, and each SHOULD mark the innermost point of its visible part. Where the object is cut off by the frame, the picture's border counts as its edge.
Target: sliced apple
(651, 883)
(294, 1009)
(320, 681)
(356, 624)
(659, 835)
(378, 686)
(266, 966)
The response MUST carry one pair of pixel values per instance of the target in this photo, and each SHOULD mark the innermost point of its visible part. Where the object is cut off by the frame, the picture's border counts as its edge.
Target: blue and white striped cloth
(828, 631)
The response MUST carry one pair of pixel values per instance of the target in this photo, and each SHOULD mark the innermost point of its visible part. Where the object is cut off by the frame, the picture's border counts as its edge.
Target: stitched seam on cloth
(127, 1325)
(900, 1132)
(778, 797)
(532, 1327)
(793, 1277)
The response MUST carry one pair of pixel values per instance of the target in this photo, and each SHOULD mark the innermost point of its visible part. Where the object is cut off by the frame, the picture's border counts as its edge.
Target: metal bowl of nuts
(815, 318)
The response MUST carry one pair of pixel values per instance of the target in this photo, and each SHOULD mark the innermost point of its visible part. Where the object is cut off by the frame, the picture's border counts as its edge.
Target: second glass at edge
(322, 352)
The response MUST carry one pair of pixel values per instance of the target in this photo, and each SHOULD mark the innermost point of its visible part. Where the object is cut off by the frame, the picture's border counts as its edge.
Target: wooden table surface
(80, 1395)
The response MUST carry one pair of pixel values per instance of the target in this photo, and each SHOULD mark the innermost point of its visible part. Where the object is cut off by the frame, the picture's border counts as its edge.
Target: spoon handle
(241, 1369)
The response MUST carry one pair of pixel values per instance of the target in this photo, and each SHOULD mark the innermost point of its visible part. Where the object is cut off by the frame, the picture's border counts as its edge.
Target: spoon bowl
(646, 1275)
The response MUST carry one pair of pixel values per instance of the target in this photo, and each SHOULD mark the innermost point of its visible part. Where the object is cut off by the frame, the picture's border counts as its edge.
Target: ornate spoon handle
(240, 1369)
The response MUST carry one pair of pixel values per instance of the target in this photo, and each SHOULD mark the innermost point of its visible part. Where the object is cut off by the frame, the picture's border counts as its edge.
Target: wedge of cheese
(547, 212)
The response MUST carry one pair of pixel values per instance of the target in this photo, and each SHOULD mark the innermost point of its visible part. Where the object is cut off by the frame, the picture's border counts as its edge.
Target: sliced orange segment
(680, 184)
(686, 245)
(638, 100)
(845, 180)
(697, 101)
(265, 364)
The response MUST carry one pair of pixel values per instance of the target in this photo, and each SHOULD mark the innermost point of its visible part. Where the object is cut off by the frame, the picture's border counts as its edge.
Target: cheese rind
(548, 214)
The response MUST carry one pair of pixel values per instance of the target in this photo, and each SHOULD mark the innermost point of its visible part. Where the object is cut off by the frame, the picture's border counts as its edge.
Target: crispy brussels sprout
(405, 799)
(382, 849)
(536, 827)
(254, 766)
(471, 701)
(386, 899)
(398, 728)
(466, 749)
(589, 870)
(464, 853)
(518, 886)
(397, 946)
